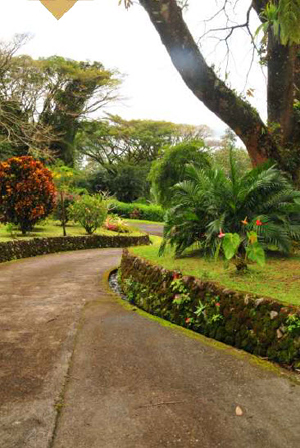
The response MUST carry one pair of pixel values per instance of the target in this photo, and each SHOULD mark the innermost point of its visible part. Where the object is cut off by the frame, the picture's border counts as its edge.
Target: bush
(27, 192)
(210, 204)
(137, 211)
(90, 212)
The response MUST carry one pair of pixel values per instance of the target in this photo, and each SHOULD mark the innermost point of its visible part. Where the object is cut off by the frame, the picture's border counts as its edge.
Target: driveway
(79, 369)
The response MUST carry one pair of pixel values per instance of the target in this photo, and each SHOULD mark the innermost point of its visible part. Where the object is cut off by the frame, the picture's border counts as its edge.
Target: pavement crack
(60, 400)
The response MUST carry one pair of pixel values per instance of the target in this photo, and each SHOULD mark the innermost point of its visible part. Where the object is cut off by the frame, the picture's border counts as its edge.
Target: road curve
(79, 370)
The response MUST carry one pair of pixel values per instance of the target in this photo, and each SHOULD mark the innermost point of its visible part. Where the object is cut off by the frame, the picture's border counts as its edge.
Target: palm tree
(261, 199)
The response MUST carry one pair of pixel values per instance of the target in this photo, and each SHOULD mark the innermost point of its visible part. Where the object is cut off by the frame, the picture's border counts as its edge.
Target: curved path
(153, 229)
(80, 370)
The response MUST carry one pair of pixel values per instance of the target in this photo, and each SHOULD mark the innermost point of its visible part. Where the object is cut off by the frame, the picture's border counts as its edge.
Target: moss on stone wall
(256, 324)
(39, 246)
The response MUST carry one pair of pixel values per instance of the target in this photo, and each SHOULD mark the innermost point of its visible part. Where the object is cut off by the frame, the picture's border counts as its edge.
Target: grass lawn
(52, 228)
(279, 278)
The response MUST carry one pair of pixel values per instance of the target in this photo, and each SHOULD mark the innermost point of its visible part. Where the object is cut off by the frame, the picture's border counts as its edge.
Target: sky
(100, 30)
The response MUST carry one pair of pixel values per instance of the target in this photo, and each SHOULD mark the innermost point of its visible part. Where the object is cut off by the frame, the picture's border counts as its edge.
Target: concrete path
(80, 370)
(153, 229)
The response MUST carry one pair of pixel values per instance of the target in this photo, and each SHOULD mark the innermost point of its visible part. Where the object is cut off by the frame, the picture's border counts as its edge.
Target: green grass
(52, 228)
(279, 278)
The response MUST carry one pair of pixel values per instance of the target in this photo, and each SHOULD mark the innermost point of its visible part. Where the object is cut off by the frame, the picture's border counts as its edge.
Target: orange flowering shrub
(27, 192)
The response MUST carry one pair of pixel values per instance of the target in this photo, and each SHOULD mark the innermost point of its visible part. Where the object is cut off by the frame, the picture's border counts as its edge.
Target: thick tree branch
(259, 5)
(238, 114)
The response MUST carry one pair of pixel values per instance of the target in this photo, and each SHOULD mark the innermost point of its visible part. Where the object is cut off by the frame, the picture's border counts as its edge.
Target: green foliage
(90, 212)
(242, 249)
(231, 243)
(256, 253)
(115, 140)
(43, 100)
(283, 18)
(293, 324)
(170, 168)
(146, 212)
(210, 201)
(61, 212)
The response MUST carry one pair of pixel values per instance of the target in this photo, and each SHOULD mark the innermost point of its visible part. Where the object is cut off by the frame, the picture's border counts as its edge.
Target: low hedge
(258, 325)
(39, 246)
(138, 211)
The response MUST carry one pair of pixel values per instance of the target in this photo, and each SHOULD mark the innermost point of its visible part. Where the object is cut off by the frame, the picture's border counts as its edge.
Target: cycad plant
(210, 204)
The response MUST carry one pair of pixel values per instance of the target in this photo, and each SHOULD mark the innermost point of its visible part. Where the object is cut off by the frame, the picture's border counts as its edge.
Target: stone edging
(17, 249)
(259, 325)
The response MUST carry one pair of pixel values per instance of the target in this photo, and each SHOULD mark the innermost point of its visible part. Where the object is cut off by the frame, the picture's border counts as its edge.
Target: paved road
(153, 229)
(79, 370)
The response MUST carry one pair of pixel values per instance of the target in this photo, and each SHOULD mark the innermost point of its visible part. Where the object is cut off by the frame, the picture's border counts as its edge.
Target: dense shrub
(138, 211)
(90, 212)
(27, 192)
(210, 204)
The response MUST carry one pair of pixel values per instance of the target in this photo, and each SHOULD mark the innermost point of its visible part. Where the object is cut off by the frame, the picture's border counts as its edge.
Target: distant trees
(42, 101)
(121, 151)
(114, 139)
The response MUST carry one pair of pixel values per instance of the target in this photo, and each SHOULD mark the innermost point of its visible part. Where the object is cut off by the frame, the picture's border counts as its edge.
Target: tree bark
(281, 67)
(238, 114)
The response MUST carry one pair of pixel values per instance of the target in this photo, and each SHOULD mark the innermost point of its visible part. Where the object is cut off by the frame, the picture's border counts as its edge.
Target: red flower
(258, 222)
(187, 320)
(218, 304)
(175, 275)
(221, 234)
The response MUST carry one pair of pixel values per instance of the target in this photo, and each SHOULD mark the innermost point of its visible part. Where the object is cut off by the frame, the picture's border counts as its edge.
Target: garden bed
(17, 249)
(257, 324)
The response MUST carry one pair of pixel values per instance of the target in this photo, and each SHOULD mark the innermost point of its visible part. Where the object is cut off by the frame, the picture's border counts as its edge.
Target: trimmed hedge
(258, 325)
(141, 211)
(39, 246)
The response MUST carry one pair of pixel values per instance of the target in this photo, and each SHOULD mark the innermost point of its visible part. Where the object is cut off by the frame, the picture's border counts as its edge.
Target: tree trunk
(237, 113)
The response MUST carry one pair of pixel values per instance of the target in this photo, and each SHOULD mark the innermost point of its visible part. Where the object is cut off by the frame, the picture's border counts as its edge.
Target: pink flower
(218, 304)
(221, 234)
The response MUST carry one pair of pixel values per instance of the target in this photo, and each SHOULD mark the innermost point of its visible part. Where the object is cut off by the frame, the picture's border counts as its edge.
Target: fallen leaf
(238, 411)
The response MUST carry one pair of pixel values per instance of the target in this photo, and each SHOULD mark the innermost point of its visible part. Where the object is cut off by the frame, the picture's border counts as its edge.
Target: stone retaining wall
(259, 325)
(39, 246)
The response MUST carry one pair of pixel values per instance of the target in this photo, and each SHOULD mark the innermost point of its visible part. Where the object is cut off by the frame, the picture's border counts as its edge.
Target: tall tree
(42, 101)
(281, 23)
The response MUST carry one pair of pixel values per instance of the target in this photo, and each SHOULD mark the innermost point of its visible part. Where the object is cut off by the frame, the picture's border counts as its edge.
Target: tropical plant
(242, 248)
(210, 203)
(90, 211)
(27, 192)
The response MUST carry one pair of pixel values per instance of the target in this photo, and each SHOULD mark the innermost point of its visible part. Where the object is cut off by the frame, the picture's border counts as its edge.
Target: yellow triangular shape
(58, 7)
